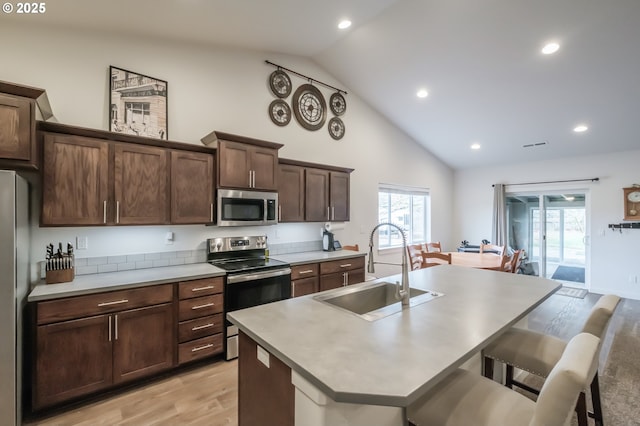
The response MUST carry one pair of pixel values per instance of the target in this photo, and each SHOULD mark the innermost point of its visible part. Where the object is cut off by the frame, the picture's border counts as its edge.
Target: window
(406, 207)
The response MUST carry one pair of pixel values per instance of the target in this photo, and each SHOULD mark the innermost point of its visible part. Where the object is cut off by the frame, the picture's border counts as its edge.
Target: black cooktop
(248, 264)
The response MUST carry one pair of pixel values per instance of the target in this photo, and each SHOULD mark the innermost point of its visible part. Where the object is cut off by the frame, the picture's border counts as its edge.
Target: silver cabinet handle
(209, 287)
(308, 271)
(344, 279)
(116, 302)
(109, 327)
(250, 179)
(200, 327)
(199, 348)
(279, 213)
(333, 213)
(104, 211)
(328, 213)
(208, 305)
(346, 265)
(116, 324)
(211, 214)
(117, 211)
(254, 179)
(293, 289)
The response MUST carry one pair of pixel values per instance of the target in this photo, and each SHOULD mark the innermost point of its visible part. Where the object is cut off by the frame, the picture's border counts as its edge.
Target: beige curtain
(499, 228)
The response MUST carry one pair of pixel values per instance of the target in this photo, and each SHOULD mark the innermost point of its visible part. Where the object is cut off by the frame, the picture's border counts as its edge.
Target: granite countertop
(316, 256)
(394, 360)
(96, 283)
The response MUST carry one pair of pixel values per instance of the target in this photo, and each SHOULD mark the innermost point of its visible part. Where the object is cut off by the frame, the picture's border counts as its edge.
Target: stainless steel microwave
(243, 208)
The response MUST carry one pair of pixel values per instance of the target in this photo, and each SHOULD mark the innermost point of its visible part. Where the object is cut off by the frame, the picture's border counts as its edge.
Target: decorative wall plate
(280, 83)
(279, 112)
(337, 103)
(336, 128)
(309, 107)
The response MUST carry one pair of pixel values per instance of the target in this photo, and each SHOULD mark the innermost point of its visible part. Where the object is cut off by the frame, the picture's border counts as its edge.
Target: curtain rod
(553, 181)
(306, 77)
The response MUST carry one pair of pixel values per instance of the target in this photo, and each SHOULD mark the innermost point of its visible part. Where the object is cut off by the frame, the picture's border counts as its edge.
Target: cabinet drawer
(342, 265)
(200, 348)
(304, 271)
(199, 327)
(197, 288)
(200, 307)
(95, 304)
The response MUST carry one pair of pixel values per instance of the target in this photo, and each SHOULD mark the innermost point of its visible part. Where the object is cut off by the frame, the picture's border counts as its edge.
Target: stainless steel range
(252, 278)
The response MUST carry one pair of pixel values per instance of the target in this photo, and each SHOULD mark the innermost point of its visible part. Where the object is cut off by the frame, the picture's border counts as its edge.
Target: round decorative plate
(309, 107)
(279, 112)
(336, 128)
(337, 103)
(280, 83)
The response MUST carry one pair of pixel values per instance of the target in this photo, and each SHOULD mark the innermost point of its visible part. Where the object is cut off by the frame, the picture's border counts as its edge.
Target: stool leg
(508, 380)
(488, 368)
(581, 410)
(595, 399)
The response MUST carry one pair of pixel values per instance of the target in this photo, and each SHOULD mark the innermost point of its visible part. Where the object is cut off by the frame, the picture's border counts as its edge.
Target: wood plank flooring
(207, 395)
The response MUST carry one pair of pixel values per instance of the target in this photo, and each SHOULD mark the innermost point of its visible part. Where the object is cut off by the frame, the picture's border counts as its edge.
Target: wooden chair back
(434, 247)
(492, 248)
(352, 248)
(434, 259)
(414, 251)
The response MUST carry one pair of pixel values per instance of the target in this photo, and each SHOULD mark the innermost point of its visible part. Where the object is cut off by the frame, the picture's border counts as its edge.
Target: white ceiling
(479, 60)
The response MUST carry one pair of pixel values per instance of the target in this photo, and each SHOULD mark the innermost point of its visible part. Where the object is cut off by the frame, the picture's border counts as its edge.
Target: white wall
(212, 88)
(613, 255)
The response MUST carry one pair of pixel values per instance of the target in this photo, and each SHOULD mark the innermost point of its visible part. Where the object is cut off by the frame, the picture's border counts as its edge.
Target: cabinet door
(316, 198)
(16, 128)
(73, 358)
(192, 186)
(234, 164)
(74, 181)
(330, 281)
(141, 185)
(355, 276)
(143, 342)
(304, 286)
(339, 196)
(264, 164)
(290, 193)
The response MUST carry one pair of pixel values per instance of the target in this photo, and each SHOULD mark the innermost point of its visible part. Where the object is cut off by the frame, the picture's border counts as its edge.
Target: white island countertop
(394, 360)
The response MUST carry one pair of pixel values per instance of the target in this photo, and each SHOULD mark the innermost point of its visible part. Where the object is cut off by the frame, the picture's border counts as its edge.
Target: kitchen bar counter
(96, 283)
(394, 360)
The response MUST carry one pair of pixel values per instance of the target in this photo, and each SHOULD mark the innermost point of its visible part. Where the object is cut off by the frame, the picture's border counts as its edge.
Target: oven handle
(241, 278)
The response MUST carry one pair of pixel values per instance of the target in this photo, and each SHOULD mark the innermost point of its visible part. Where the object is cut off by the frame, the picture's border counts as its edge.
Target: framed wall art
(137, 104)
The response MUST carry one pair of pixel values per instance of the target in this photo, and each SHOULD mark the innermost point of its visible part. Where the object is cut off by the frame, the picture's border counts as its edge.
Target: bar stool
(537, 353)
(464, 398)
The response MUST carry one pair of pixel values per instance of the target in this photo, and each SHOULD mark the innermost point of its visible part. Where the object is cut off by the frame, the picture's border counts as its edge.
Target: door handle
(293, 289)
(116, 327)
(211, 214)
(117, 211)
(104, 211)
(109, 327)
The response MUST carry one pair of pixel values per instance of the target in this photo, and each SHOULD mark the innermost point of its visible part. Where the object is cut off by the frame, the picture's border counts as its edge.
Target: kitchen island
(347, 370)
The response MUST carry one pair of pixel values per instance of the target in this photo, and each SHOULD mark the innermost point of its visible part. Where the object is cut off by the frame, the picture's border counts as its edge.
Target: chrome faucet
(401, 293)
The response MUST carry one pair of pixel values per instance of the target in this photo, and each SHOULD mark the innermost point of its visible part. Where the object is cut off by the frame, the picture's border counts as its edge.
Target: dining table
(476, 260)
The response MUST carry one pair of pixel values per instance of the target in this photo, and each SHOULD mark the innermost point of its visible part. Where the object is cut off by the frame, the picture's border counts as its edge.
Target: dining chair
(435, 259)
(510, 263)
(414, 251)
(492, 248)
(537, 353)
(466, 398)
(434, 247)
(354, 247)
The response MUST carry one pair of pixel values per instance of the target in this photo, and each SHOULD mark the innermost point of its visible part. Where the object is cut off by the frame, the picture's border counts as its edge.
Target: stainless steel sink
(374, 301)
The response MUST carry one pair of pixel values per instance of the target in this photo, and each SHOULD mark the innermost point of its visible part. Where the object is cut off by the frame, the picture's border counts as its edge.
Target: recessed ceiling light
(344, 24)
(550, 48)
(422, 93)
(580, 128)
(475, 146)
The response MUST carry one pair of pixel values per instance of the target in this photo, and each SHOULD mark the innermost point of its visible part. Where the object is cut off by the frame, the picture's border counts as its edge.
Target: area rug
(578, 293)
(569, 273)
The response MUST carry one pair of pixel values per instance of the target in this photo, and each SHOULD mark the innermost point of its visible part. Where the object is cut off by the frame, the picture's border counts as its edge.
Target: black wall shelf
(621, 226)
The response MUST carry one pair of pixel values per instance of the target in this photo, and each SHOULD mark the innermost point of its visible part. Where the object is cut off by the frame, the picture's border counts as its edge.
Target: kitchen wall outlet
(82, 243)
(168, 238)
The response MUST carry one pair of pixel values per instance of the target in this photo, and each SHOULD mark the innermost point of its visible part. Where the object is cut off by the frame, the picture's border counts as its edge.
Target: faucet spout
(402, 290)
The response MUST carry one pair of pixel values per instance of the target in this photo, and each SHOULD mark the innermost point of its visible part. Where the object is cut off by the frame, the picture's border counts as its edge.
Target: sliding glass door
(552, 229)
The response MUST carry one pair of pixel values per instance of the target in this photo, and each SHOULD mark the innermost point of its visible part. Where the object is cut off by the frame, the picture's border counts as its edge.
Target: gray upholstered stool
(538, 353)
(465, 398)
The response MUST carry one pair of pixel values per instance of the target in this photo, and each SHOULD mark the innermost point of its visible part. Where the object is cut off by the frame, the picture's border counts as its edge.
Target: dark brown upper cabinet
(290, 193)
(192, 187)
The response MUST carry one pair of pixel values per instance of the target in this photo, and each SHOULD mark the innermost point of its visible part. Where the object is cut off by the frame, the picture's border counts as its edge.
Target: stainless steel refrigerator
(14, 286)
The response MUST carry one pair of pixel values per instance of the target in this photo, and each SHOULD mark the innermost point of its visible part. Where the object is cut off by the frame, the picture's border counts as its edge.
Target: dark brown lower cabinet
(304, 286)
(341, 279)
(266, 395)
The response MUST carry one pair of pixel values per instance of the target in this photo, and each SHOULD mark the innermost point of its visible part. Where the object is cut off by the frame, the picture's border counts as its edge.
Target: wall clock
(309, 107)
(337, 103)
(632, 203)
(279, 112)
(280, 83)
(336, 128)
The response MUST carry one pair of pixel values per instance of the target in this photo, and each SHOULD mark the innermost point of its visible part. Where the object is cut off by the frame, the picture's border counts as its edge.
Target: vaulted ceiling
(480, 61)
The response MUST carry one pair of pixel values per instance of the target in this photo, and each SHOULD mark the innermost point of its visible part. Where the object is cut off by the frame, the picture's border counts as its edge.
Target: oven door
(252, 289)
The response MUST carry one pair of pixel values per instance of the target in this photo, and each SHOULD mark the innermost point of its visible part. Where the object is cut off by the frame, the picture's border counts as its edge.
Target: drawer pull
(346, 265)
(200, 327)
(209, 287)
(208, 305)
(199, 348)
(308, 271)
(116, 302)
